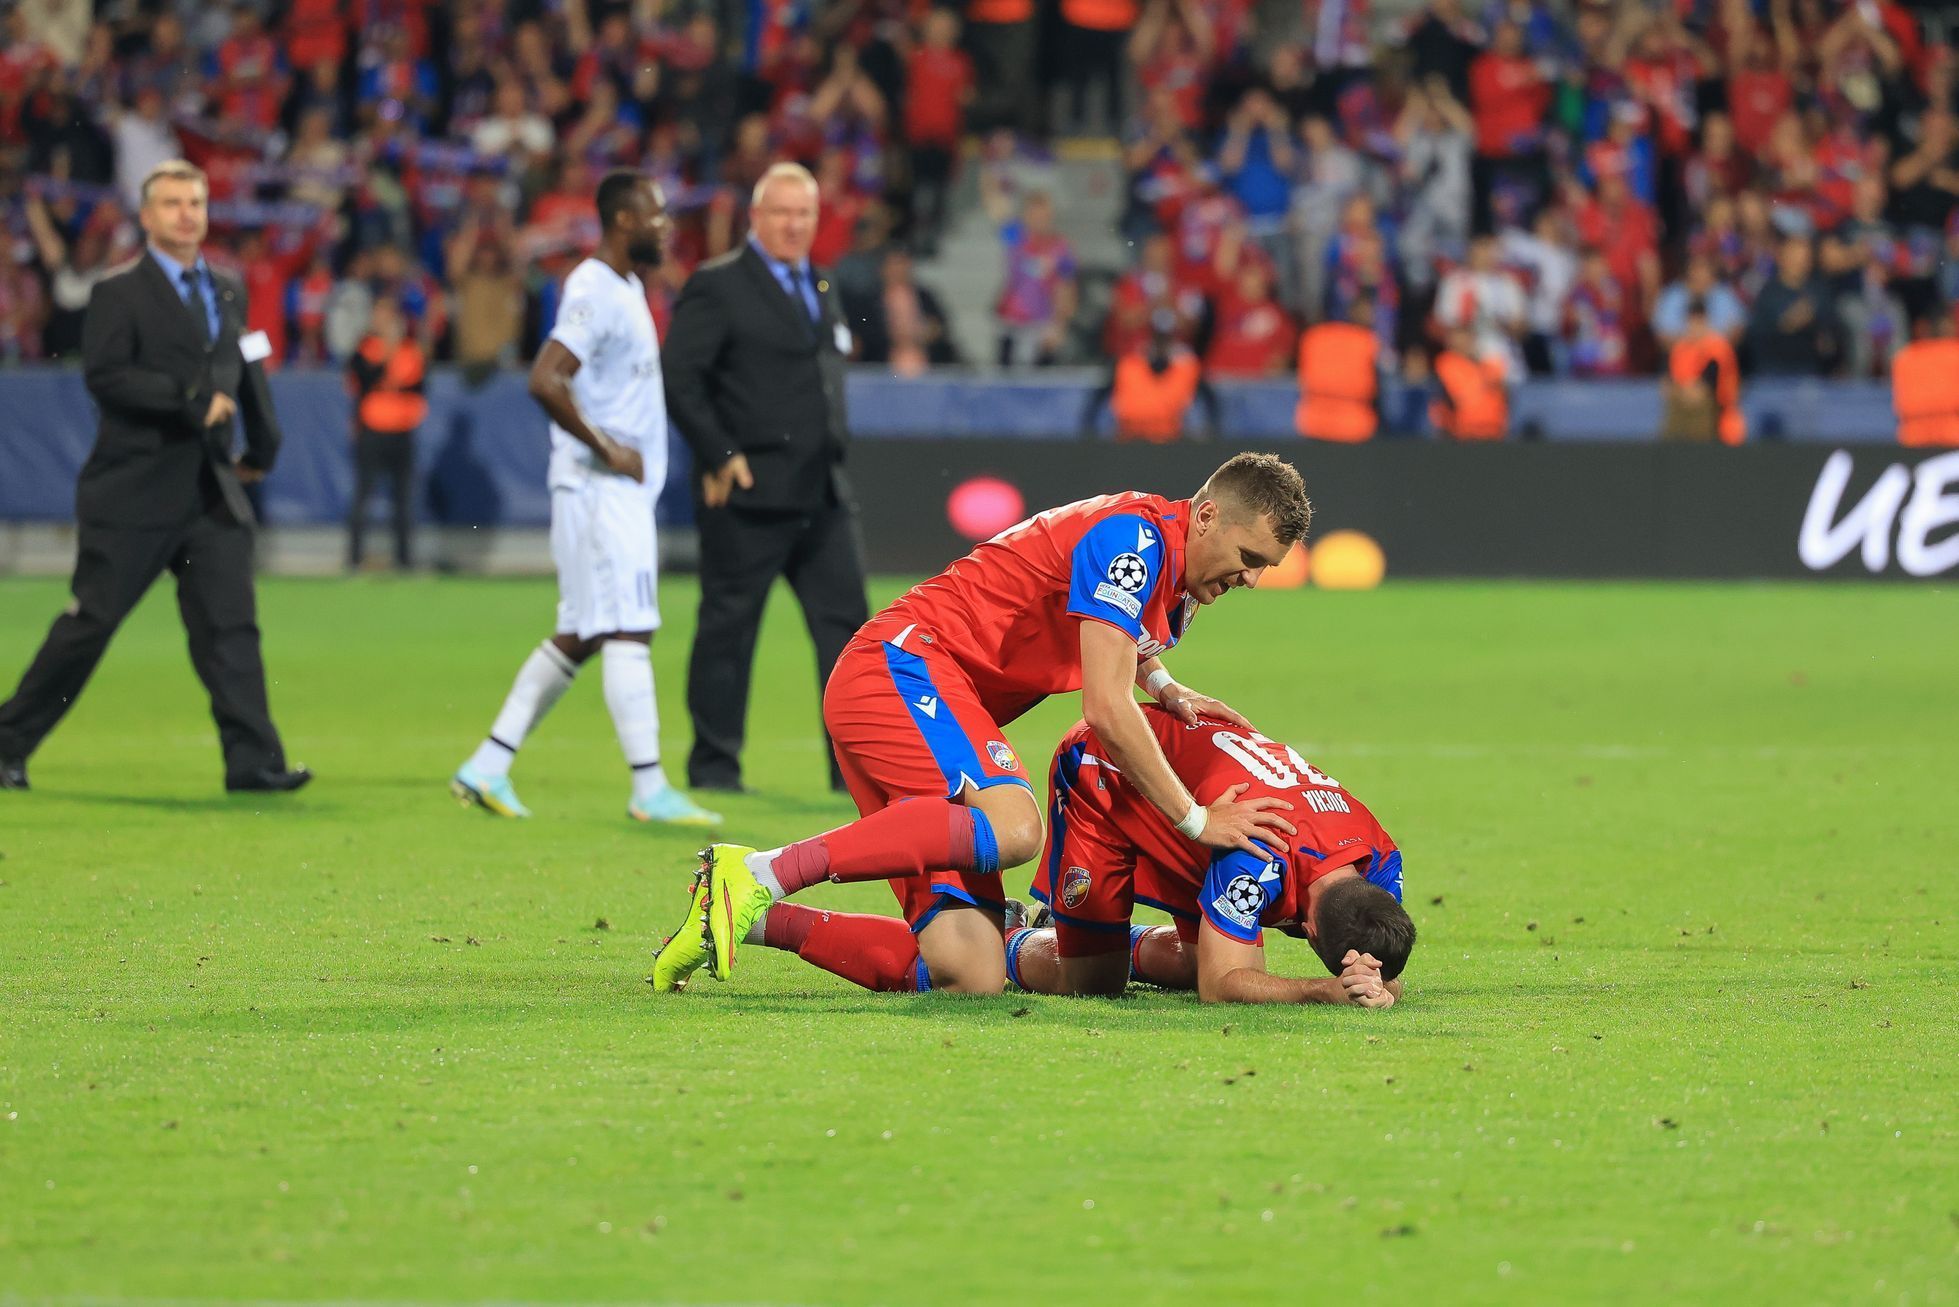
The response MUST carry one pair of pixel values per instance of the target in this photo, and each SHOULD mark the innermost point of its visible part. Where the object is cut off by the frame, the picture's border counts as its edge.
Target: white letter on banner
(1931, 508)
(1822, 545)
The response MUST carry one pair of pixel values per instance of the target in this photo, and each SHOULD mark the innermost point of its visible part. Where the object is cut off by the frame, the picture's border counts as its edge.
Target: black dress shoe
(267, 780)
(718, 785)
(13, 774)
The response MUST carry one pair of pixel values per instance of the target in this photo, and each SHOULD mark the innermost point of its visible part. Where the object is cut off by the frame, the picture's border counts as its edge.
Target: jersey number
(1278, 765)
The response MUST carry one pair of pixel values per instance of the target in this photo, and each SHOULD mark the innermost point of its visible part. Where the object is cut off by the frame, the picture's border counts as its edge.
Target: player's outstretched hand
(1234, 825)
(1189, 705)
(717, 485)
(625, 460)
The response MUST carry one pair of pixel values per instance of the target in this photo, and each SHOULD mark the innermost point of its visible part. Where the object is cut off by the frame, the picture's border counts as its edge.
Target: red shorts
(1091, 873)
(907, 723)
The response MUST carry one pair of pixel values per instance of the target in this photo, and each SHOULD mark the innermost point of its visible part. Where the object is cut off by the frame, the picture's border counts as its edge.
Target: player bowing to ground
(598, 377)
(1109, 848)
(1086, 596)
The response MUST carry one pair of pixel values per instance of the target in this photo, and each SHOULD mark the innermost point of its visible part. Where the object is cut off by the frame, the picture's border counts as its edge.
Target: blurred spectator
(1331, 177)
(1154, 285)
(1861, 257)
(388, 376)
(1037, 300)
(1340, 378)
(1485, 298)
(141, 138)
(1544, 259)
(489, 300)
(75, 264)
(938, 89)
(906, 327)
(1793, 328)
(23, 307)
(1436, 136)
(1252, 335)
(1724, 311)
(1445, 42)
(1702, 389)
(1171, 46)
(1471, 398)
(1256, 159)
(512, 128)
(1598, 321)
(1508, 97)
(1925, 385)
(1150, 389)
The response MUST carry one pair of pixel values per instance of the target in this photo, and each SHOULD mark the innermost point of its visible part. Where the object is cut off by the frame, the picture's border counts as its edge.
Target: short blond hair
(173, 170)
(777, 172)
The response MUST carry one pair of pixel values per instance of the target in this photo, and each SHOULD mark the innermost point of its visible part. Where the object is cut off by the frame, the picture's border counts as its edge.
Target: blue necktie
(198, 305)
(802, 300)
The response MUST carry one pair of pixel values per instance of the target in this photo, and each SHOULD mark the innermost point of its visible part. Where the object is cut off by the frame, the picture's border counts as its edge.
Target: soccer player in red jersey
(1087, 596)
(1339, 885)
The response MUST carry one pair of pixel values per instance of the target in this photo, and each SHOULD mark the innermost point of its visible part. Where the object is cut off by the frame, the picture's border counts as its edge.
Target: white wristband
(1154, 683)
(1193, 823)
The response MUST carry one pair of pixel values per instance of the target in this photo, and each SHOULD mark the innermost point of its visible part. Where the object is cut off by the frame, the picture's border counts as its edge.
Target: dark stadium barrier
(1571, 506)
(1513, 510)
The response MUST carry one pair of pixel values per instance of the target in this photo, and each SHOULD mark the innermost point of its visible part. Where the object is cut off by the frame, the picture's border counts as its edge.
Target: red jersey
(1007, 614)
(1235, 891)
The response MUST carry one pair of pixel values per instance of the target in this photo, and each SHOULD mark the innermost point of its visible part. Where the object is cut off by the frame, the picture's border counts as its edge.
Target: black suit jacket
(155, 463)
(747, 372)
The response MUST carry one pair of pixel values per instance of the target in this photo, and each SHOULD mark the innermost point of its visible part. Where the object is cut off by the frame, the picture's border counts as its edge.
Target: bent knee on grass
(964, 952)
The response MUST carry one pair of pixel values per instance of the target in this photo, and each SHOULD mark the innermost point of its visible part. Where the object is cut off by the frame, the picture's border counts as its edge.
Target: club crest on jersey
(1003, 756)
(1074, 887)
(1129, 571)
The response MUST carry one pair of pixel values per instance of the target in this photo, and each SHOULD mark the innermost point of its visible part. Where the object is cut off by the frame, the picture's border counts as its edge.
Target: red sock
(910, 838)
(878, 953)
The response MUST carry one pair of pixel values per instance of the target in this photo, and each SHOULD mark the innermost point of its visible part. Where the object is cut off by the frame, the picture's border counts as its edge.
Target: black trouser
(379, 454)
(211, 558)
(1098, 57)
(931, 181)
(1003, 67)
(742, 553)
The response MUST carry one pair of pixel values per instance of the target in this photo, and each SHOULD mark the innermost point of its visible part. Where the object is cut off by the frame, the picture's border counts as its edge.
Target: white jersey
(604, 319)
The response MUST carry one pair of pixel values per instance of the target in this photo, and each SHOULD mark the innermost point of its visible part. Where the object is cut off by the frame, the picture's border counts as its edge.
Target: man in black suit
(166, 358)
(754, 367)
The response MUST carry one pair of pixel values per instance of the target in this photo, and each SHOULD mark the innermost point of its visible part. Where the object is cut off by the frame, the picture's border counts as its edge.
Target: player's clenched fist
(1361, 979)
(1230, 824)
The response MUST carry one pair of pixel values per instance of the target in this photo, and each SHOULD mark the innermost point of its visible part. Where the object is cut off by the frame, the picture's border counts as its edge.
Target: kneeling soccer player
(1339, 885)
(1083, 597)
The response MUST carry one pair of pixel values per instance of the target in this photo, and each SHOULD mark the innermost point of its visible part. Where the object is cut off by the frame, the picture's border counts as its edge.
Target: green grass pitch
(1681, 1027)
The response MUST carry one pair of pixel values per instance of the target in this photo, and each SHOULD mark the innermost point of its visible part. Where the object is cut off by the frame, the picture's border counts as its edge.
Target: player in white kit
(598, 377)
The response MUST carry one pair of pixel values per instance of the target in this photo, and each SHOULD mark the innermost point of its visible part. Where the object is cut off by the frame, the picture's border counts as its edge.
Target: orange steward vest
(1100, 15)
(1338, 382)
(1925, 392)
(1150, 405)
(392, 408)
(1689, 361)
(1475, 387)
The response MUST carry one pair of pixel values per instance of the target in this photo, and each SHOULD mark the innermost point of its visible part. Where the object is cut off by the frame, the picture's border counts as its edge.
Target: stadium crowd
(1551, 189)
(1556, 190)
(444, 156)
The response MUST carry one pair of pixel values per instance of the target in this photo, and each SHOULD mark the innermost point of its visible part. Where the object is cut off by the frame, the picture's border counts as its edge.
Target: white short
(602, 539)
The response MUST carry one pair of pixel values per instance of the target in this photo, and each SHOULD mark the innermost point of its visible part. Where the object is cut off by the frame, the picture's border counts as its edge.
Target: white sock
(635, 715)
(541, 682)
(761, 865)
(757, 931)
